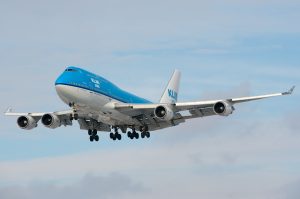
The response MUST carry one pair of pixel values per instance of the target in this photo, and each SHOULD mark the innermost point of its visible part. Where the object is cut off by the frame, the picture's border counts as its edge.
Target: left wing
(233, 101)
(196, 109)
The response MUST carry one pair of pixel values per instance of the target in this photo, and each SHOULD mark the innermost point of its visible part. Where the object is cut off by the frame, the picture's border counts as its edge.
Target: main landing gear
(134, 134)
(145, 134)
(93, 135)
(116, 135)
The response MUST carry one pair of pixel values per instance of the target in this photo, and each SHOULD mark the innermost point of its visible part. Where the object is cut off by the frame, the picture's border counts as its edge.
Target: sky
(224, 49)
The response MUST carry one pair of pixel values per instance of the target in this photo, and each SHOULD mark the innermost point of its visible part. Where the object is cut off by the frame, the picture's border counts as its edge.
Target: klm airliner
(99, 105)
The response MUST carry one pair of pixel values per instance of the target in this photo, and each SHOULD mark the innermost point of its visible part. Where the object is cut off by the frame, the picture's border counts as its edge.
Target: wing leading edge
(9, 112)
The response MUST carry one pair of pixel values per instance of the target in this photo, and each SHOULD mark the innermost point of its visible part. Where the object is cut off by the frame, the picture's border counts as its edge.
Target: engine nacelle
(26, 122)
(51, 121)
(164, 113)
(223, 108)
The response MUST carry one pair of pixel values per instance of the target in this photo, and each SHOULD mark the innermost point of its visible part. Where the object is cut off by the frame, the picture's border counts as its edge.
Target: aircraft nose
(60, 80)
(64, 93)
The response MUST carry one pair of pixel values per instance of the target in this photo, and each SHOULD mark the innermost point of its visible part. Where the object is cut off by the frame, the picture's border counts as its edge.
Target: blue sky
(224, 49)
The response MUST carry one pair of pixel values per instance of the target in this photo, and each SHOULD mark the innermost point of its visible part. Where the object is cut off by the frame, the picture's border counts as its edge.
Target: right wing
(29, 121)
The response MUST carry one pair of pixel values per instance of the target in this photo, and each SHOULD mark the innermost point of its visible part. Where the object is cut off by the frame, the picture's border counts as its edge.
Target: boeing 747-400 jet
(99, 105)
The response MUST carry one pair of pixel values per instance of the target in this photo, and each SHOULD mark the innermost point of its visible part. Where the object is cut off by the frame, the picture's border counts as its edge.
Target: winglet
(9, 110)
(290, 91)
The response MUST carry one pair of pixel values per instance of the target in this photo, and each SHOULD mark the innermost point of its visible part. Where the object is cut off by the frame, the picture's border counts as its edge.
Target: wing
(63, 116)
(233, 101)
(145, 112)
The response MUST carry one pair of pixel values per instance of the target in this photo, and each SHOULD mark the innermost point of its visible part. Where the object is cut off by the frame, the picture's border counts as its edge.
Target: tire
(94, 132)
(96, 138)
(137, 136)
(90, 132)
(111, 135)
(119, 136)
(91, 138)
(148, 134)
(143, 135)
(129, 134)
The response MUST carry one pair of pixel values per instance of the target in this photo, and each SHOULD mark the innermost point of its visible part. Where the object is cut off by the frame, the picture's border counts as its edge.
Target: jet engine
(26, 122)
(223, 108)
(164, 113)
(51, 121)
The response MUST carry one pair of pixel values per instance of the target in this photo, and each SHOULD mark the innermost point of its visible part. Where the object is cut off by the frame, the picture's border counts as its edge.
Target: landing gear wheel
(90, 132)
(136, 135)
(96, 137)
(129, 134)
(111, 135)
(148, 134)
(115, 136)
(75, 116)
(143, 135)
(118, 136)
(91, 138)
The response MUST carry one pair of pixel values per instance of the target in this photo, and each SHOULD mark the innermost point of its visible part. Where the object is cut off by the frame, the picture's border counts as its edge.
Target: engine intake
(51, 121)
(164, 113)
(223, 108)
(26, 122)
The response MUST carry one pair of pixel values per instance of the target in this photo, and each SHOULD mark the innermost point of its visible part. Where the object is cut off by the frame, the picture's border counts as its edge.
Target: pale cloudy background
(223, 48)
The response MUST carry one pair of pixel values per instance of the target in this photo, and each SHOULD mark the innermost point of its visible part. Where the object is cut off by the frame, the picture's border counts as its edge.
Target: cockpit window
(70, 70)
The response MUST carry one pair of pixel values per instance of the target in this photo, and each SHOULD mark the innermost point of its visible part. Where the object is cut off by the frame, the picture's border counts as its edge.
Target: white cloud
(90, 186)
(239, 159)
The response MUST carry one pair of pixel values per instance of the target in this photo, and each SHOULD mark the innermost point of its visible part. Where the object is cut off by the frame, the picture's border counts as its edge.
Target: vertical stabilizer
(171, 93)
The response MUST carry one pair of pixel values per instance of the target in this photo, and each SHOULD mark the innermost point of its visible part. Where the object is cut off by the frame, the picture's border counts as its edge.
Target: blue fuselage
(79, 78)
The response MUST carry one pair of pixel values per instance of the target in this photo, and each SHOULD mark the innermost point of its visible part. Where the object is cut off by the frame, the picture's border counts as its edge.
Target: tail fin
(171, 93)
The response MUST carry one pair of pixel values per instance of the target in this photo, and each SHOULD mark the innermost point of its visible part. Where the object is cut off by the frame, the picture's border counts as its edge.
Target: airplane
(99, 105)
